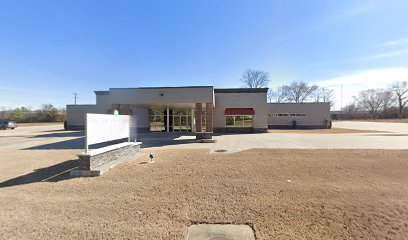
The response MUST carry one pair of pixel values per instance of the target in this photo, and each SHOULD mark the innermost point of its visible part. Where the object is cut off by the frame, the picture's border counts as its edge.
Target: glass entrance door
(181, 120)
(176, 123)
(184, 124)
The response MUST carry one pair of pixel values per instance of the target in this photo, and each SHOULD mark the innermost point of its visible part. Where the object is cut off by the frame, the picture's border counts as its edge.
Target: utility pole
(341, 97)
(75, 97)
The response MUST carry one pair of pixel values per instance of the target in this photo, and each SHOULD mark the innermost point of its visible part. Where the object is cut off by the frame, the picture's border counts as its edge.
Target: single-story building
(200, 109)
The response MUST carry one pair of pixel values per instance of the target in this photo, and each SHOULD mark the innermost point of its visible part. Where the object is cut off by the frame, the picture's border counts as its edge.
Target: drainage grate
(220, 232)
(220, 150)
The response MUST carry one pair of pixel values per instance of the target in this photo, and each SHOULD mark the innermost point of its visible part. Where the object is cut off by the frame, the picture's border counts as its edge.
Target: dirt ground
(324, 131)
(282, 194)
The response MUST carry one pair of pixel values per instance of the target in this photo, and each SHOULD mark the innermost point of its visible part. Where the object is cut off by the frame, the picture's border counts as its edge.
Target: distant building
(348, 115)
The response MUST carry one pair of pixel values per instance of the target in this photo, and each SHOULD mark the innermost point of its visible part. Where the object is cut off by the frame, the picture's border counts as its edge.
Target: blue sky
(51, 49)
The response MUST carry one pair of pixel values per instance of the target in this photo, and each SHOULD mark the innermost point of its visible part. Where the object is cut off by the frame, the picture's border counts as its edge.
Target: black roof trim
(241, 90)
(101, 92)
(166, 87)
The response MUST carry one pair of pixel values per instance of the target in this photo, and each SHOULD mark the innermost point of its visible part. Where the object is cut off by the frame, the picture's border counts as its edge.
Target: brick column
(209, 117)
(198, 113)
(125, 109)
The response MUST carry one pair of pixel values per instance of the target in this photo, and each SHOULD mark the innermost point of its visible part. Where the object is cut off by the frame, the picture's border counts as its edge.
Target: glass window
(239, 121)
(180, 111)
(229, 121)
(181, 119)
(157, 119)
(203, 122)
(287, 114)
(248, 121)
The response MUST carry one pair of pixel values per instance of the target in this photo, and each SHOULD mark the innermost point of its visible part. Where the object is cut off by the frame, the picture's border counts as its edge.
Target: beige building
(200, 109)
(299, 115)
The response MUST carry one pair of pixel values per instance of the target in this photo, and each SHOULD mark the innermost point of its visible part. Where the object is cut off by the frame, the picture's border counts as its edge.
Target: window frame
(283, 114)
(242, 121)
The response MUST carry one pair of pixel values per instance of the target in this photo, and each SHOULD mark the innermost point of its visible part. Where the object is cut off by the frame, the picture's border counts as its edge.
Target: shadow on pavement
(77, 143)
(148, 140)
(59, 130)
(54, 173)
(60, 134)
(165, 139)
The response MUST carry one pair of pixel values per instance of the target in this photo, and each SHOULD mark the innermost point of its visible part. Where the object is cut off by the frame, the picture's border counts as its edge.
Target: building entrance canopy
(239, 111)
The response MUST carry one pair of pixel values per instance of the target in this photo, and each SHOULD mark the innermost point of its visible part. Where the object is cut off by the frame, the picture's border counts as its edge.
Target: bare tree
(372, 100)
(324, 95)
(387, 98)
(298, 92)
(281, 95)
(352, 107)
(400, 89)
(277, 95)
(255, 78)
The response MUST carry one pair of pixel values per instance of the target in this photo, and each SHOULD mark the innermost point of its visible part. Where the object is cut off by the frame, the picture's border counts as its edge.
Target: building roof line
(101, 92)
(165, 87)
(241, 90)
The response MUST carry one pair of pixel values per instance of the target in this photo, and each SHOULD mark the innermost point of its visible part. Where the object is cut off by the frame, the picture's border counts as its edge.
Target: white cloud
(397, 53)
(367, 79)
(359, 10)
(401, 52)
(398, 42)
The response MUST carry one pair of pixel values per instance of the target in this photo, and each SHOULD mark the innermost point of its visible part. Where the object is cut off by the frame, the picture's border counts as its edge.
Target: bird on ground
(151, 156)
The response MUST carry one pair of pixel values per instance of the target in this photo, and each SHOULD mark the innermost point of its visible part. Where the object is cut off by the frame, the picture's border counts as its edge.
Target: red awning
(239, 111)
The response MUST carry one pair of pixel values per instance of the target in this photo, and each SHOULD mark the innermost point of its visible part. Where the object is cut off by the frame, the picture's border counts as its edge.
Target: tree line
(382, 102)
(378, 103)
(47, 113)
(295, 92)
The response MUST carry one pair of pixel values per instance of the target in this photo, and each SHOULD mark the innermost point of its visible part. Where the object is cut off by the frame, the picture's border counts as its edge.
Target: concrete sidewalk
(401, 128)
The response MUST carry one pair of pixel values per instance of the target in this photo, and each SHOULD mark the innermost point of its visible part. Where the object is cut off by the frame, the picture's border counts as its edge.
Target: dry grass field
(282, 194)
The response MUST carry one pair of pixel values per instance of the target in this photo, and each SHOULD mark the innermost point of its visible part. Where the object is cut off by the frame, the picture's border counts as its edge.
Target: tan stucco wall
(153, 95)
(141, 115)
(257, 101)
(103, 101)
(76, 113)
(316, 113)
